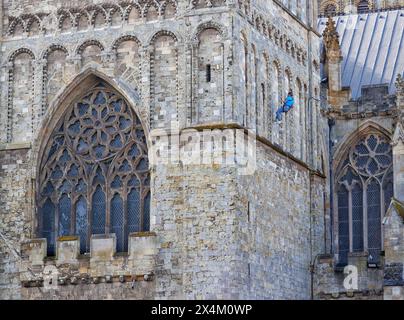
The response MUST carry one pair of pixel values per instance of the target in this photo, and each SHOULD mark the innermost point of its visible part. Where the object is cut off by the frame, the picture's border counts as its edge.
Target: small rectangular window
(208, 73)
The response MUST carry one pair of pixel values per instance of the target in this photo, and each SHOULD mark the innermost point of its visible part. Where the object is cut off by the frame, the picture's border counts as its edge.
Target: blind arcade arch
(94, 173)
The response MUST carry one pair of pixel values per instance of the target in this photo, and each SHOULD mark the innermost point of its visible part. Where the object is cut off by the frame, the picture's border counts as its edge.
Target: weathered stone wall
(274, 54)
(15, 222)
(279, 231)
(158, 57)
(198, 232)
(374, 112)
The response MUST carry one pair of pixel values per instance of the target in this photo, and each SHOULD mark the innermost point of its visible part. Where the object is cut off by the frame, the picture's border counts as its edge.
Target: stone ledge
(102, 265)
(142, 234)
(85, 279)
(15, 146)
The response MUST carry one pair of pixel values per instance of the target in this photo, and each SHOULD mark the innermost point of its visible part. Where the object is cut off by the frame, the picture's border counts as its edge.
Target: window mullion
(108, 203)
(73, 205)
(365, 218)
(382, 210)
(89, 200)
(350, 220)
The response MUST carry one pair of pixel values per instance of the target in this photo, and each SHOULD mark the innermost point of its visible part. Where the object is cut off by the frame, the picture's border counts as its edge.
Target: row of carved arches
(54, 70)
(267, 83)
(271, 32)
(94, 16)
(57, 65)
(100, 16)
(293, 131)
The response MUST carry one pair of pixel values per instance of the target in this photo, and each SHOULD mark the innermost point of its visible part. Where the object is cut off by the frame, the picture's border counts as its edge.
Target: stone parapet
(101, 265)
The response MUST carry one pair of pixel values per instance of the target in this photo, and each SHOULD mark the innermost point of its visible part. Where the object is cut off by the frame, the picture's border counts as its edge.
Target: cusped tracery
(364, 188)
(372, 156)
(94, 175)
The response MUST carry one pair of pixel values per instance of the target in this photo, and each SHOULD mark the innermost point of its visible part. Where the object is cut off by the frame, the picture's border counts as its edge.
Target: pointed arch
(132, 13)
(151, 11)
(34, 25)
(16, 23)
(94, 139)
(363, 164)
(87, 78)
(169, 9)
(349, 140)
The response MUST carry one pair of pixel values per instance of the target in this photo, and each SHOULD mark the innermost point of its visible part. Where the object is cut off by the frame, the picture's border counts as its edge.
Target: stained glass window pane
(343, 224)
(117, 220)
(374, 221)
(64, 215)
(48, 225)
(388, 189)
(368, 160)
(82, 223)
(134, 210)
(357, 218)
(146, 213)
(98, 212)
(96, 150)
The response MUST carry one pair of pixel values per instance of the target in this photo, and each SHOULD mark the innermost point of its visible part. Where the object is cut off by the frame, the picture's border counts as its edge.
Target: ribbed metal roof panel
(372, 46)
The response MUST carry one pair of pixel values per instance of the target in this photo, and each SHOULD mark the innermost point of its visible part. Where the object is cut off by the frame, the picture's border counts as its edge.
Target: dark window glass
(48, 225)
(208, 73)
(357, 218)
(96, 157)
(368, 163)
(117, 222)
(343, 224)
(82, 223)
(65, 208)
(374, 220)
(98, 212)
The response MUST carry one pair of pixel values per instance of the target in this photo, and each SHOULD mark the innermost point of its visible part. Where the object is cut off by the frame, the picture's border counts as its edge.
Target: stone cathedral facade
(100, 99)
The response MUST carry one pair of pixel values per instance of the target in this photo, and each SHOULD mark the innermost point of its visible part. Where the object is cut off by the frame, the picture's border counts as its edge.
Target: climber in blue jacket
(287, 105)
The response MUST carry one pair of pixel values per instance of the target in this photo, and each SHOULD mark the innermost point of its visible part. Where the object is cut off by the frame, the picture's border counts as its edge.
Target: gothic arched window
(363, 193)
(94, 172)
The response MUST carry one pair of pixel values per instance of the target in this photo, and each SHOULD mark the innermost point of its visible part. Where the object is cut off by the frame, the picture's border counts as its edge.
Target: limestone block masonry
(180, 65)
